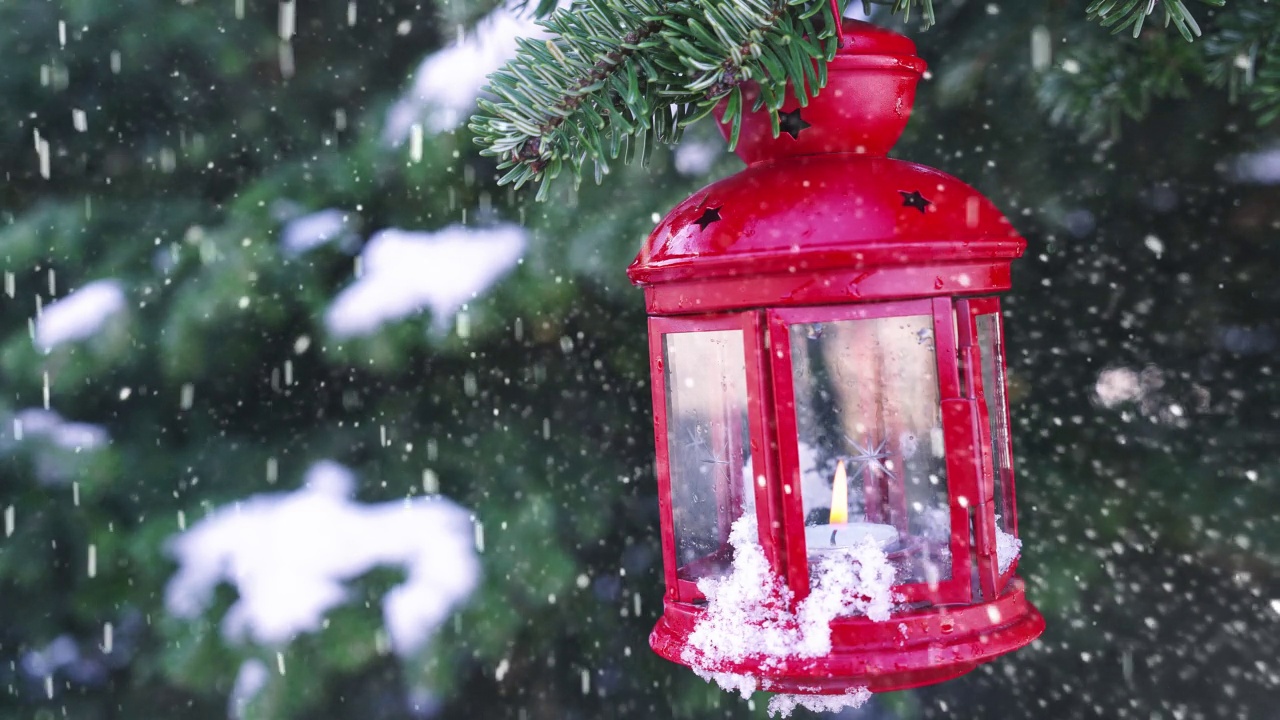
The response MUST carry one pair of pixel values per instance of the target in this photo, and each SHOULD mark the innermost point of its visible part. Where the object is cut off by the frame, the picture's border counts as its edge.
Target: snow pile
(784, 705)
(747, 612)
(288, 556)
(310, 231)
(404, 272)
(744, 685)
(858, 581)
(79, 315)
(447, 82)
(1007, 549)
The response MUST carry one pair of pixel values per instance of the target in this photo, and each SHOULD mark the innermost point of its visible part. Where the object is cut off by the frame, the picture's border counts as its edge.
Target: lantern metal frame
(812, 231)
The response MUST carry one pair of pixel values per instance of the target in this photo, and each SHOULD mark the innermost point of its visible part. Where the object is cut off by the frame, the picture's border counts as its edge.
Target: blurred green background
(170, 147)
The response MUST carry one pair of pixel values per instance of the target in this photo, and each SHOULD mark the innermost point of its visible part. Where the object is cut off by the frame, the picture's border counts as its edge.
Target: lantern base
(910, 649)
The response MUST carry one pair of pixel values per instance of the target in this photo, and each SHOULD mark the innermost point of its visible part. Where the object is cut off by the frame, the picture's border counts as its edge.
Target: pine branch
(1122, 14)
(1244, 57)
(1104, 82)
(617, 76)
(578, 94)
(722, 45)
(904, 7)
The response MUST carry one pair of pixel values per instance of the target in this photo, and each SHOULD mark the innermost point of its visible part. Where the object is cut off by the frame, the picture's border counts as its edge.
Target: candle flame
(839, 497)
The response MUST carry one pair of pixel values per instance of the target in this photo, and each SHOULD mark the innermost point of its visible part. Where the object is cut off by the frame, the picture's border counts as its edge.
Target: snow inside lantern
(833, 455)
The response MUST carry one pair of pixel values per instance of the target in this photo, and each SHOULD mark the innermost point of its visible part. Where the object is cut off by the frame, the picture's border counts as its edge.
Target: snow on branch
(289, 555)
(406, 271)
(80, 315)
(447, 83)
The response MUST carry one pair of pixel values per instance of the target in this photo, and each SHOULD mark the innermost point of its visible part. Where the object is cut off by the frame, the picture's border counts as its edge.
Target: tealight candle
(839, 533)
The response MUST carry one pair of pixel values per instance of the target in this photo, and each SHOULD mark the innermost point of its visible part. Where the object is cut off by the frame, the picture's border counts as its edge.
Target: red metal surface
(827, 199)
(821, 226)
(914, 648)
(991, 306)
(826, 212)
(864, 108)
(825, 287)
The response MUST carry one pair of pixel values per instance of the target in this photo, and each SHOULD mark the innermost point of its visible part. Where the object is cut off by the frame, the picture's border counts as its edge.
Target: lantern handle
(836, 17)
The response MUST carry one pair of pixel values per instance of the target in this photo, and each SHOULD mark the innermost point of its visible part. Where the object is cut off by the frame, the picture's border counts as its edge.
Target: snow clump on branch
(447, 82)
(289, 555)
(80, 315)
(405, 271)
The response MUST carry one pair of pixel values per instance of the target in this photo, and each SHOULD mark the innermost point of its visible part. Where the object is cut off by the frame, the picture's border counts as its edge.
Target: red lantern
(828, 363)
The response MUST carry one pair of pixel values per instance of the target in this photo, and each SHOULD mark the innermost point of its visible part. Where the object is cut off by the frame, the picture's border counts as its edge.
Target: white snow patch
(1262, 167)
(695, 156)
(1007, 549)
(747, 612)
(744, 685)
(784, 705)
(289, 554)
(310, 231)
(79, 315)
(447, 82)
(405, 271)
(58, 654)
(250, 680)
(1117, 385)
(38, 423)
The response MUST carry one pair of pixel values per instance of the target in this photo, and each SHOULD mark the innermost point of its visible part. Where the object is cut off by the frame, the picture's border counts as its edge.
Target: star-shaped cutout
(710, 215)
(915, 200)
(792, 123)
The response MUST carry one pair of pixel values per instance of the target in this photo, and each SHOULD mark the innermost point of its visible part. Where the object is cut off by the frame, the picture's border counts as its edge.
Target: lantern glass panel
(991, 346)
(868, 418)
(708, 444)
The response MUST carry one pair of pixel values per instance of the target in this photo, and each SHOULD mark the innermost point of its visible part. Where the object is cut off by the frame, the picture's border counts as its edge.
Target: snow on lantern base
(748, 615)
(852, 633)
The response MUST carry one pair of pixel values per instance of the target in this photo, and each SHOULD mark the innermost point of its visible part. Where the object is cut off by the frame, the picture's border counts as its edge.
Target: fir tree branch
(617, 76)
(1104, 82)
(904, 7)
(1244, 57)
(579, 94)
(1122, 14)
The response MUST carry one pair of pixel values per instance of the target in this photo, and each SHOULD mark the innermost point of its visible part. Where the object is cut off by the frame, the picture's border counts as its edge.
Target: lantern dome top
(822, 196)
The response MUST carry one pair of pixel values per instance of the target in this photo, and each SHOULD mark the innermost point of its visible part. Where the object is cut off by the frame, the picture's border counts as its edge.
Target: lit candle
(839, 533)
